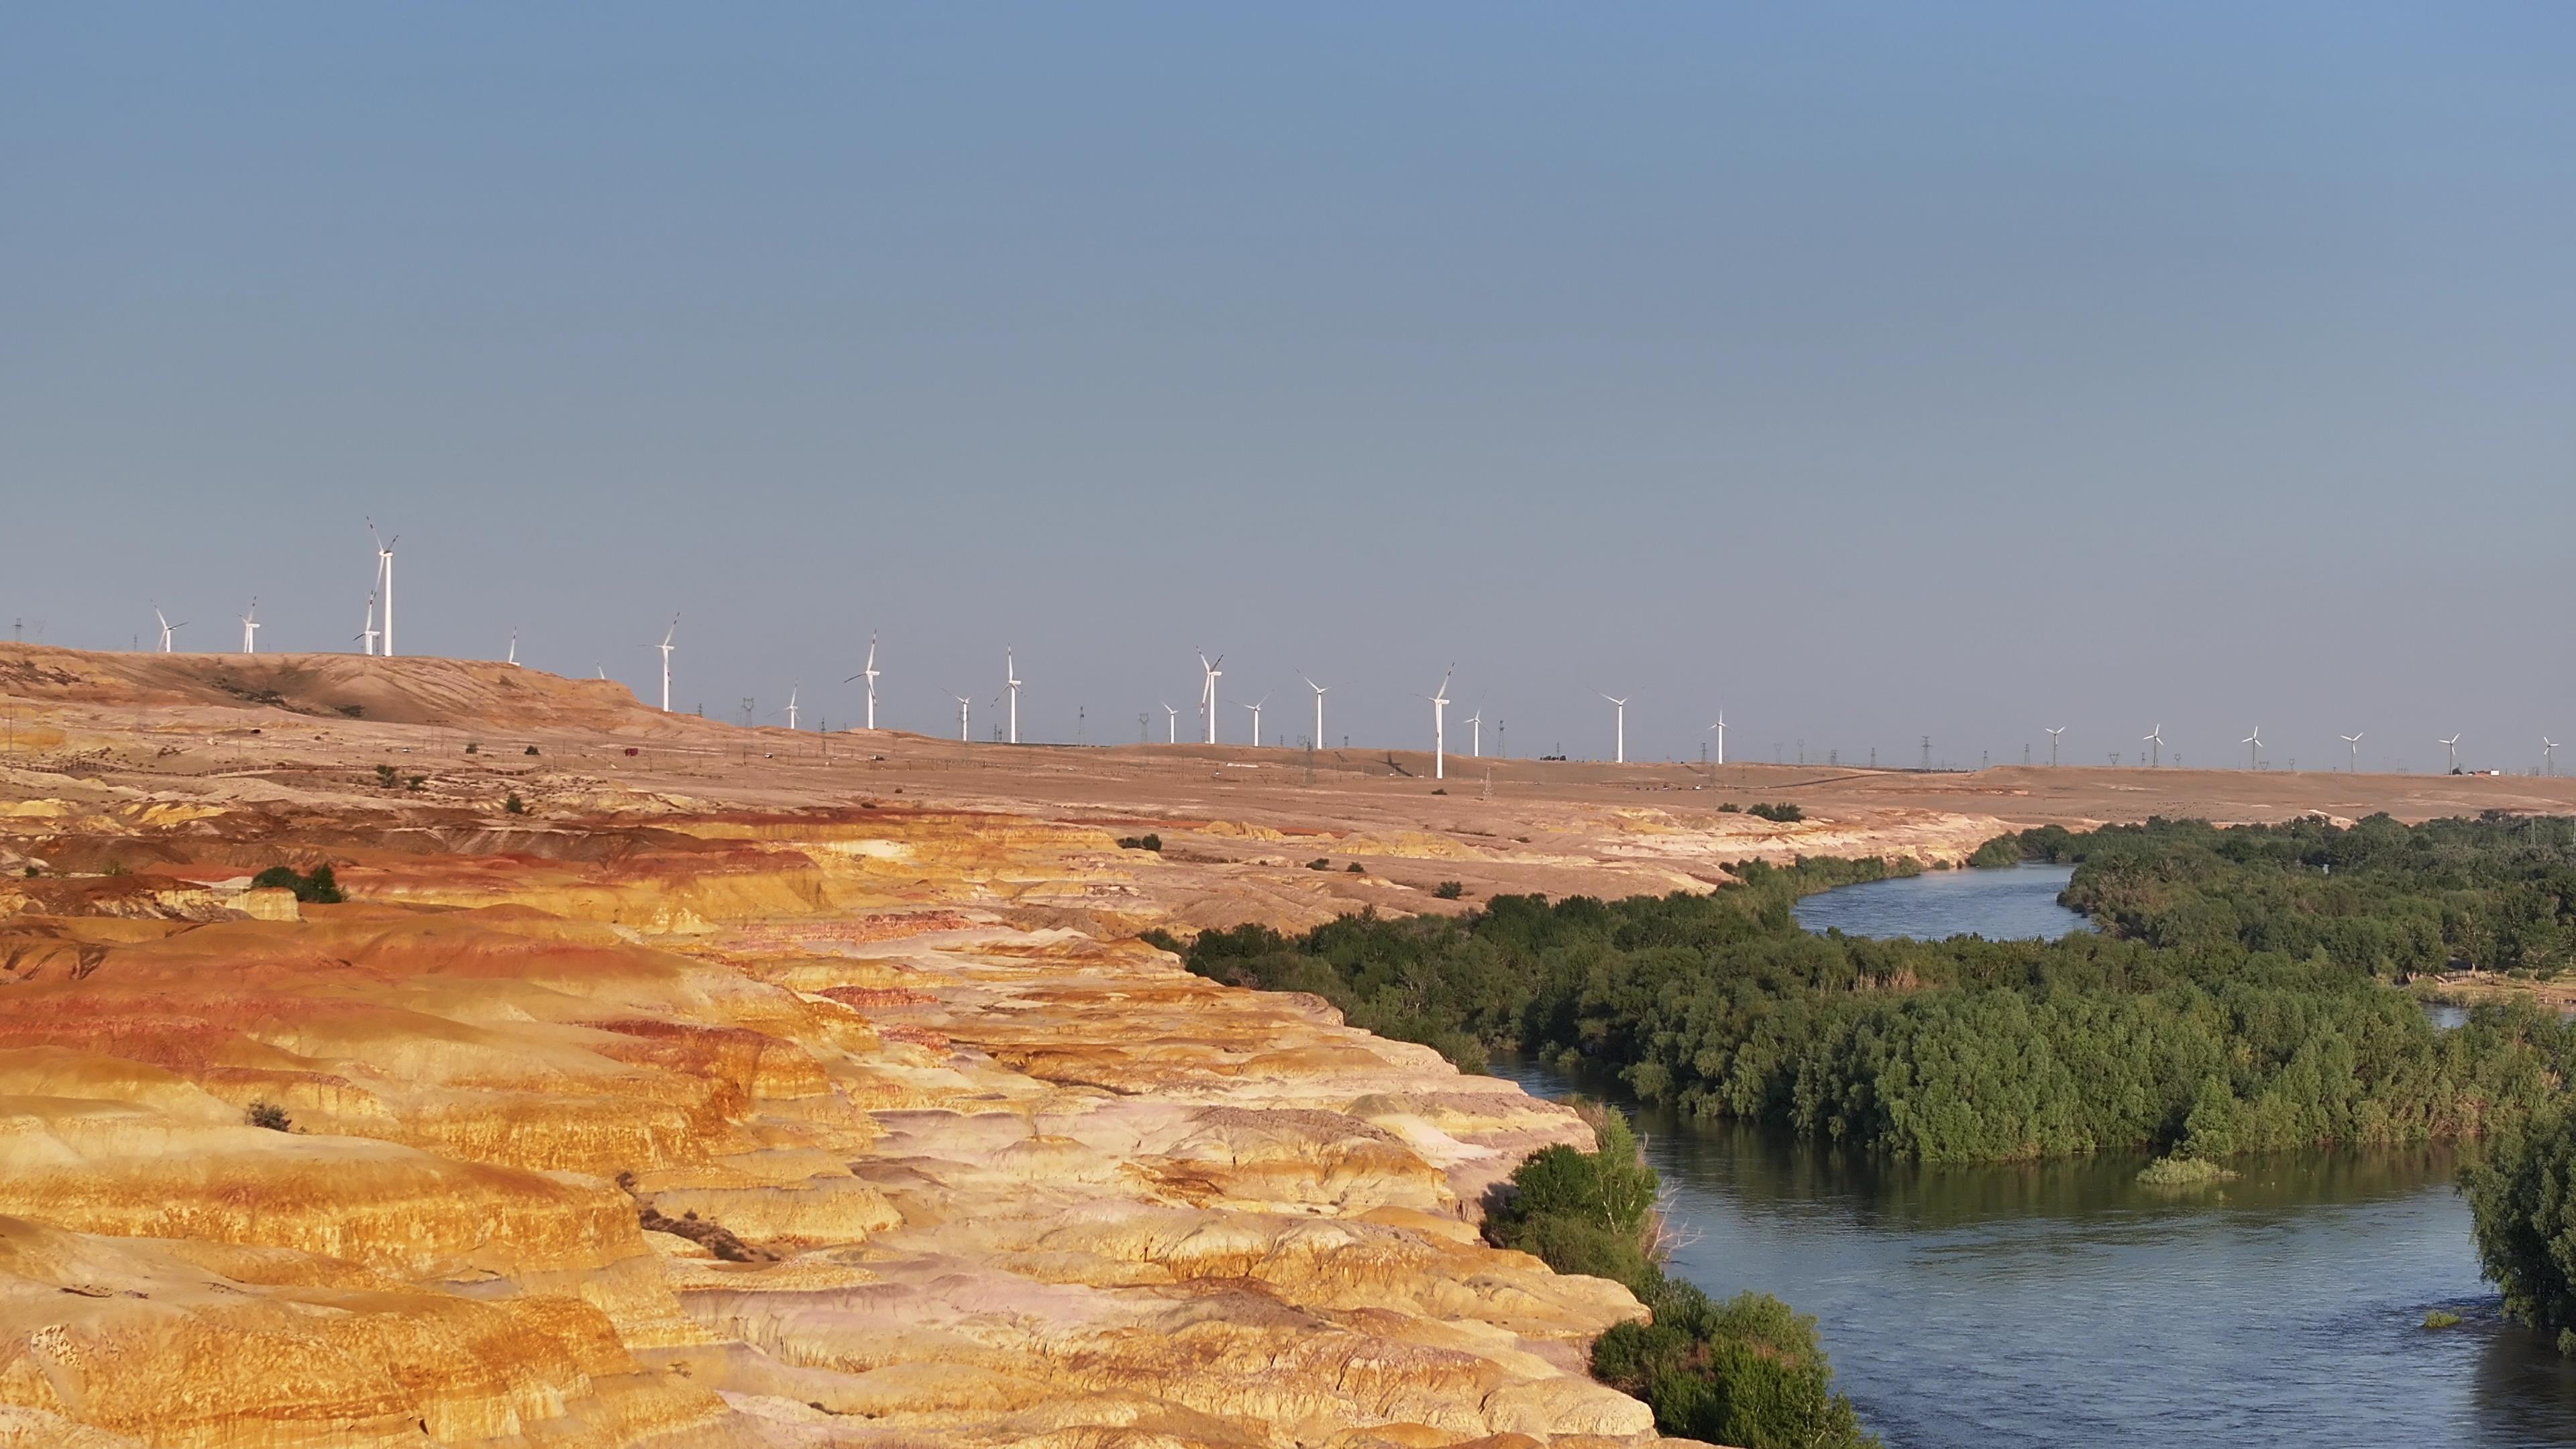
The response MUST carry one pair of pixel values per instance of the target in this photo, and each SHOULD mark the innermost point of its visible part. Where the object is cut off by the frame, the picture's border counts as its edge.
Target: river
(1986, 1307)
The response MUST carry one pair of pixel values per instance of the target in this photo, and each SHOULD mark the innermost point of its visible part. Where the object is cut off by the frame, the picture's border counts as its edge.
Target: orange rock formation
(684, 1114)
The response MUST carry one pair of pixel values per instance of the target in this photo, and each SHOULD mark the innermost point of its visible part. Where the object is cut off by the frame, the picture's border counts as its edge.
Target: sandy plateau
(757, 1088)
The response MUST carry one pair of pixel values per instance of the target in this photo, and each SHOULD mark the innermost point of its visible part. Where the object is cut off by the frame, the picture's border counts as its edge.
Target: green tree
(2522, 1203)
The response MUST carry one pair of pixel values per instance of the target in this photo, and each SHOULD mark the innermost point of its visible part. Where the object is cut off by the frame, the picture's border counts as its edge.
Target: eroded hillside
(693, 1111)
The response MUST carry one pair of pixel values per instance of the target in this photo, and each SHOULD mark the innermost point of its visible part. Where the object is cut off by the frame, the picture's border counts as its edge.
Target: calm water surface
(2065, 1304)
(2000, 905)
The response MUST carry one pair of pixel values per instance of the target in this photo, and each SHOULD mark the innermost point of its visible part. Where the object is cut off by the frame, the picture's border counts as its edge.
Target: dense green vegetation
(1748, 1371)
(320, 887)
(2522, 1197)
(2236, 1001)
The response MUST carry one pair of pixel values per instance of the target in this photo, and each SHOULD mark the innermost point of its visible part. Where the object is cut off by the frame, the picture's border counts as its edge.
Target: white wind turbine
(167, 629)
(1619, 755)
(2453, 745)
(1440, 727)
(1255, 707)
(1171, 723)
(2154, 740)
(870, 675)
(1720, 727)
(1207, 690)
(2052, 742)
(2548, 755)
(513, 659)
(793, 690)
(1319, 709)
(385, 579)
(2253, 744)
(1476, 734)
(1011, 678)
(2354, 740)
(665, 647)
(369, 633)
(962, 736)
(250, 629)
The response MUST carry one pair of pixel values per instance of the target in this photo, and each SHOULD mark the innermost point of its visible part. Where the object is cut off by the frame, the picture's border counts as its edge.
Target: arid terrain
(662, 1082)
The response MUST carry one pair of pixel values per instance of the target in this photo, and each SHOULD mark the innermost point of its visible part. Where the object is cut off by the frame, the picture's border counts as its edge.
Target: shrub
(2441, 1318)
(1782, 813)
(2003, 850)
(1450, 890)
(1747, 1372)
(514, 805)
(1730, 808)
(1356, 868)
(472, 748)
(1440, 790)
(1318, 863)
(32, 872)
(386, 777)
(319, 888)
(2522, 1205)
(270, 1116)
(1162, 940)
(1141, 842)
(532, 749)
(415, 782)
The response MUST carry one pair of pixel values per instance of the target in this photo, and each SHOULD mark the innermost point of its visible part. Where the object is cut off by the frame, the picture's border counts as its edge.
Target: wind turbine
(1720, 727)
(369, 633)
(2548, 755)
(665, 647)
(167, 629)
(2353, 740)
(1011, 677)
(1171, 723)
(870, 675)
(1440, 727)
(2253, 744)
(792, 691)
(1255, 707)
(1476, 734)
(250, 628)
(1319, 709)
(1207, 691)
(1619, 756)
(2453, 745)
(513, 660)
(2154, 740)
(385, 579)
(2052, 744)
(962, 736)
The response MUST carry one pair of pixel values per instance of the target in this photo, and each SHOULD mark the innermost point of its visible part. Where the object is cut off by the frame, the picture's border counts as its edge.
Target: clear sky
(1867, 371)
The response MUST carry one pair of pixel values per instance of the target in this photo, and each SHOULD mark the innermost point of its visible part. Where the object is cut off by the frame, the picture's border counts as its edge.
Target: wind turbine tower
(513, 659)
(793, 690)
(1440, 727)
(1319, 709)
(168, 629)
(2453, 745)
(250, 629)
(665, 647)
(385, 579)
(1210, 673)
(2052, 744)
(1171, 723)
(870, 675)
(2353, 740)
(962, 736)
(1720, 727)
(1255, 707)
(2154, 740)
(1011, 676)
(1619, 750)
(2548, 755)
(1476, 734)
(2253, 744)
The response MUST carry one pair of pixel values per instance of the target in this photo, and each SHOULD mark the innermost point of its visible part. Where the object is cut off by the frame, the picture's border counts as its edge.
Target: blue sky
(1866, 371)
